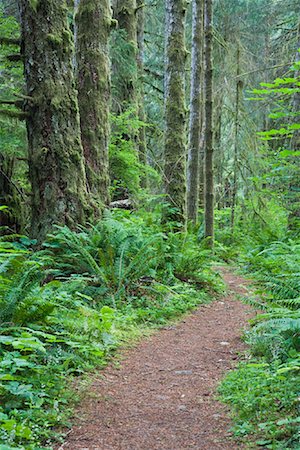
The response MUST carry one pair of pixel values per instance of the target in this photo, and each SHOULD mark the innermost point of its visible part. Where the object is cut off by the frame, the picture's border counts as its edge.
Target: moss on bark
(193, 173)
(93, 21)
(56, 168)
(142, 146)
(125, 12)
(209, 150)
(175, 111)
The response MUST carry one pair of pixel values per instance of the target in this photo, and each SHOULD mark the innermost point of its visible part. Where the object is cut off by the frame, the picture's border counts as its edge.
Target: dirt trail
(163, 396)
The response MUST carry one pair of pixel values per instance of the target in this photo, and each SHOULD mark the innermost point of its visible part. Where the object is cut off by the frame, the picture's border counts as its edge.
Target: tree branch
(139, 7)
(9, 41)
(14, 114)
(14, 58)
(16, 103)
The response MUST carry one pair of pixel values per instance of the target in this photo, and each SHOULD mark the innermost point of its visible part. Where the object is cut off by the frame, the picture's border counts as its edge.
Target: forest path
(163, 395)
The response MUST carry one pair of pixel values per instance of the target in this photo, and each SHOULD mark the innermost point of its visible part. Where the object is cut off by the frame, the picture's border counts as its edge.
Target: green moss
(34, 4)
(54, 39)
(93, 26)
(175, 134)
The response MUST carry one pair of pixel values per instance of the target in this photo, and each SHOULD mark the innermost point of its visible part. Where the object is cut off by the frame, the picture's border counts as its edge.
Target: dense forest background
(142, 141)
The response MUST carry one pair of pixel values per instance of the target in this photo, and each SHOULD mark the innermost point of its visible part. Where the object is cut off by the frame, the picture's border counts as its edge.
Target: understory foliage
(264, 391)
(66, 307)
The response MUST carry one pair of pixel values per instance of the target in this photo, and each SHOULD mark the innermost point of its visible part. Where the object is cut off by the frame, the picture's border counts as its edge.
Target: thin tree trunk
(56, 167)
(93, 22)
(294, 188)
(175, 112)
(9, 196)
(219, 163)
(202, 126)
(209, 166)
(195, 114)
(236, 137)
(142, 146)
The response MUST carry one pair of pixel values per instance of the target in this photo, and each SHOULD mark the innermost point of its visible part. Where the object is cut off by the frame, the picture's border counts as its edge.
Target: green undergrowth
(264, 390)
(66, 308)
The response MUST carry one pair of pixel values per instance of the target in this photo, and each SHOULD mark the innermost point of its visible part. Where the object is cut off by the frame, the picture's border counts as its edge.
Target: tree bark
(195, 113)
(56, 167)
(175, 112)
(93, 22)
(294, 188)
(209, 169)
(236, 137)
(9, 196)
(142, 146)
(125, 12)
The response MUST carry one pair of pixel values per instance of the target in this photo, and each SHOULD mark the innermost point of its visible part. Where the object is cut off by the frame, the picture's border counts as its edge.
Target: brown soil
(163, 395)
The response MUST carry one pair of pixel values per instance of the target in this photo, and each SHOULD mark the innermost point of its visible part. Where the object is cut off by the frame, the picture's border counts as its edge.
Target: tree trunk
(142, 146)
(195, 113)
(294, 188)
(175, 112)
(236, 137)
(209, 169)
(56, 168)
(219, 164)
(93, 22)
(202, 126)
(10, 197)
(125, 12)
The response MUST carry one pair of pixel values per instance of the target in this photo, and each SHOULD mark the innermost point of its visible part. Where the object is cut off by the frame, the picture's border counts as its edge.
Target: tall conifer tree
(208, 170)
(125, 12)
(56, 167)
(93, 22)
(195, 113)
(175, 111)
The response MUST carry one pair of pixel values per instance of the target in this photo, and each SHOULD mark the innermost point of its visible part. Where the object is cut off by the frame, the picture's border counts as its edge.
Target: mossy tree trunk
(175, 111)
(193, 175)
(142, 146)
(209, 165)
(125, 12)
(93, 23)
(56, 167)
(294, 187)
(219, 163)
(238, 93)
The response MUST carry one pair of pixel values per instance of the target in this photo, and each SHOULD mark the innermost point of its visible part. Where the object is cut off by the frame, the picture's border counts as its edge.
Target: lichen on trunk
(56, 168)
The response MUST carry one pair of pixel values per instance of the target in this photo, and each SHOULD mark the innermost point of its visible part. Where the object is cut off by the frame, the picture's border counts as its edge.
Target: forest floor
(163, 394)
